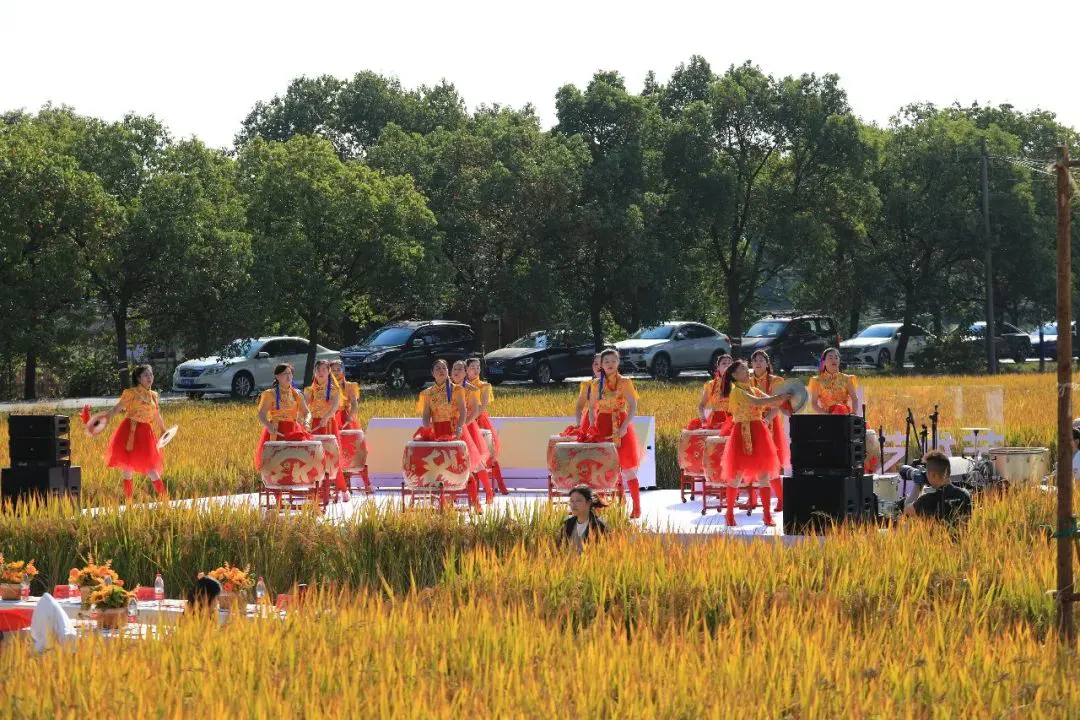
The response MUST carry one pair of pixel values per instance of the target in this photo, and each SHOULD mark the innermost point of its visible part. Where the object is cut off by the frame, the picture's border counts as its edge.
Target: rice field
(214, 452)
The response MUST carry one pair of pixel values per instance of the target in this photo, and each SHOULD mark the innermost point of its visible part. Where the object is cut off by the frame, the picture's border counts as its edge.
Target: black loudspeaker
(38, 426)
(18, 484)
(39, 452)
(813, 504)
(828, 445)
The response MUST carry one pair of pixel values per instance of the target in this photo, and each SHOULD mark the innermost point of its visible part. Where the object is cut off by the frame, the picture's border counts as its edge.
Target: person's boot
(732, 498)
(496, 470)
(485, 480)
(778, 490)
(635, 497)
(159, 488)
(367, 480)
(766, 513)
(129, 489)
(474, 494)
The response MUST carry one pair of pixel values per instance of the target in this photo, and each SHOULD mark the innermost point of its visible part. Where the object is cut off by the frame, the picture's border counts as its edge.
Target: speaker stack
(40, 451)
(827, 485)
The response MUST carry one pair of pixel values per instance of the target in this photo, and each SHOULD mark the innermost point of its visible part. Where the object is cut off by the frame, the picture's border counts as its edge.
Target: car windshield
(766, 328)
(660, 332)
(877, 331)
(532, 340)
(389, 337)
(1048, 329)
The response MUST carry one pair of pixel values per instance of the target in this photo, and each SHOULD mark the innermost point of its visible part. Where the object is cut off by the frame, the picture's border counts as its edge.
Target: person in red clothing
(749, 455)
(323, 399)
(443, 410)
(349, 410)
(584, 400)
(713, 408)
(613, 404)
(281, 408)
(472, 428)
(831, 391)
(764, 379)
(472, 372)
(133, 446)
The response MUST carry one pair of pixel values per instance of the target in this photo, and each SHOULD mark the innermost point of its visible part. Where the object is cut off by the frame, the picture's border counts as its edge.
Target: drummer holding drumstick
(280, 407)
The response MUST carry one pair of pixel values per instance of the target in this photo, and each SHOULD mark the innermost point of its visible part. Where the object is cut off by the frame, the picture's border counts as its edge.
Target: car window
(430, 335)
(274, 348)
(1009, 328)
(825, 326)
(766, 328)
(801, 327)
(697, 332)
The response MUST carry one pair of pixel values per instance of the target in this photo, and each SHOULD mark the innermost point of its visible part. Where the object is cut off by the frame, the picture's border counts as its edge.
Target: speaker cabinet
(18, 484)
(813, 504)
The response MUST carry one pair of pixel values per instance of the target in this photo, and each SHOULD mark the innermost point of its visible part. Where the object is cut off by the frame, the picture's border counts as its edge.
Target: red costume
(282, 407)
(320, 400)
(610, 399)
(833, 390)
(750, 456)
(718, 418)
(768, 384)
(133, 446)
(347, 393)
(441, 402)
(484, 421)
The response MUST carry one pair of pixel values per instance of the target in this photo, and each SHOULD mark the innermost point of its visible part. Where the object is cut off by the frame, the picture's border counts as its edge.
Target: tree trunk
(853, 317)
(30, 376)
(909, 317)
(735, 308)
(313, 340)
(595, 308)
(120, 323)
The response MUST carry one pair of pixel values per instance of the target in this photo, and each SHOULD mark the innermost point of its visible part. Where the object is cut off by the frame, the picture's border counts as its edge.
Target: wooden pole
(1065, 590)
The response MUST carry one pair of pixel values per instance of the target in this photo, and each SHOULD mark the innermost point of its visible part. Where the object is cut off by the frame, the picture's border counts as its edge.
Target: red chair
(283, 601)
(61, 592)
(142, 594)
(14, 619)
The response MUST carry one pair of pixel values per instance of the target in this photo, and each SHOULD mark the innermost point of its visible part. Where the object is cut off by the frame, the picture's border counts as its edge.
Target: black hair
(768, 361)
(595, 503)
(938, 462)
(137, 372)
(204, 593)
(278, 369)
(729, 377)
(438, 362)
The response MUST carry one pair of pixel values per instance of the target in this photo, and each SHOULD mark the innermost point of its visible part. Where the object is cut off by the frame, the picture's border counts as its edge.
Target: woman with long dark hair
(764, 379)
(713, 407)
(831, 391)
(485, 395)
(584, 401)
(280, 409)
(613, 406)
(133, 446)
(323, 397)
(583, 524)
(459, 376)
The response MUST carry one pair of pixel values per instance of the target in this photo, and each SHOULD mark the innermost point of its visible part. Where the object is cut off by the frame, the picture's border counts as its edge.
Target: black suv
(791, 339)
(401, 353)
(543, 356)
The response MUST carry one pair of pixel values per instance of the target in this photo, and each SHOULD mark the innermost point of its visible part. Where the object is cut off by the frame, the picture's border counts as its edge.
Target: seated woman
(280, 409)
(713, 407)
(581, 411)
(583, 522)
(831, 391)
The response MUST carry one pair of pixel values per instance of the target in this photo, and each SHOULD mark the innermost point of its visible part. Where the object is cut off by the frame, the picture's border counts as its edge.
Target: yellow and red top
(140, 404)
(473, 393)
(316, 396)
(278, 409)
(433, 399)
(766, 383)
(347, 392)
(715, 399)
(831, 388)
(617, 390)
(742, 410)
(486, 391)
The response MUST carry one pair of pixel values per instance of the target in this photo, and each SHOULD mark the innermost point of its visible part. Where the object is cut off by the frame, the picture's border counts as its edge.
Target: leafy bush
(952, 353)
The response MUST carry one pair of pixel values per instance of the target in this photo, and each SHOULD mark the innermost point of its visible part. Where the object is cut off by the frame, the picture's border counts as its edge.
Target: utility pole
(991, 334)
(1066, 524)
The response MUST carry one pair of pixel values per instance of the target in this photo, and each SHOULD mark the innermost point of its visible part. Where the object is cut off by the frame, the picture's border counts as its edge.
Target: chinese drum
(489, 441)
(714, 453)
(331, 454)
(427, 465)
(552, 442)
(692, 451)
(873, 452)
(578, 463)
(353, 450)
(292, 463)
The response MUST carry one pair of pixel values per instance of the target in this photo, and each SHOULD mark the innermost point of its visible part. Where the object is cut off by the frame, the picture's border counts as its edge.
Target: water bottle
(260, 592)
(108, 580)
(24, 590)
(73, 591)
(133, 611)
(159, 589)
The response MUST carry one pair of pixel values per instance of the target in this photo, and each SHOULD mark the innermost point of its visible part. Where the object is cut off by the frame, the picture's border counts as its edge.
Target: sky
(201, 66)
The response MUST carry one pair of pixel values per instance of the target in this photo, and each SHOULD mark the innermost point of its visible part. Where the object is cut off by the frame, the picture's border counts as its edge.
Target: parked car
(542, 356)
(876, 345)
(1010, 341)
(1049, 340)
(668, 349)
(791, 340)
(246, 366)
(401, 353)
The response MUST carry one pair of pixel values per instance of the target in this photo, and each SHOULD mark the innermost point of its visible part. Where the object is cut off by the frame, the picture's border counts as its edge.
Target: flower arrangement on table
(234, 583)
(12, 576)
(88, 578)
(111, 602)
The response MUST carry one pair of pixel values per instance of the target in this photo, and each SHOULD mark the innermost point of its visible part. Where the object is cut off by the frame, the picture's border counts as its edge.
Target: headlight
(526, 361)
(216, 370)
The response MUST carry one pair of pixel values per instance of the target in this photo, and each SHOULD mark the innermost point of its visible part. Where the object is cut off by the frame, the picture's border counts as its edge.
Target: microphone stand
(909, 425)
(933, 424)
(923, 436)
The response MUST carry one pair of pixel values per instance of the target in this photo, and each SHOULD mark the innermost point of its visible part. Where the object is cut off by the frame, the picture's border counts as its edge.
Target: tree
(503, 192)
(46, 205)
(330, 239)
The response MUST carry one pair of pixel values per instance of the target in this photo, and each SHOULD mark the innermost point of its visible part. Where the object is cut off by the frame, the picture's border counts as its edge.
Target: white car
(249, 367)
(876, 345)
(666, 350)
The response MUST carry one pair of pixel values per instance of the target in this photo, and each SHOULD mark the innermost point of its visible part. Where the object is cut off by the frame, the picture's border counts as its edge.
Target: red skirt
(287, 431)
(143, 457)
(353, 424)
(755, 467)
(780, 439)
(839, 409)
(629, 452)
(718, 420)
(332, 426)
(485, 423)
(473, 430)
(445, 431)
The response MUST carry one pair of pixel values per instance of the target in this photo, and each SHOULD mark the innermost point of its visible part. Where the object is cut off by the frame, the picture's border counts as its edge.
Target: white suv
(248, 367)
(666, 350)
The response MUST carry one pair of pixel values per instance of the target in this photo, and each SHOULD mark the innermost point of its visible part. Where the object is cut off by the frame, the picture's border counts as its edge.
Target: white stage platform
(661, 510)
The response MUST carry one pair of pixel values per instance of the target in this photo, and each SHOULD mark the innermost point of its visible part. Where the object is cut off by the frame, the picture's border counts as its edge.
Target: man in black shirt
(942, 499)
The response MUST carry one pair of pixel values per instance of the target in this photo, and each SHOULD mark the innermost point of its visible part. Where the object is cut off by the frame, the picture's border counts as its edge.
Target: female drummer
(459, 375)
(831, 391)
(323, 399)
(764, 379)
(348, 414)
(713, 407)
(472, 372)
(280, 408)
(133, 446)
(581, 413)
(749, 454)
(613, 404)
(443, 411)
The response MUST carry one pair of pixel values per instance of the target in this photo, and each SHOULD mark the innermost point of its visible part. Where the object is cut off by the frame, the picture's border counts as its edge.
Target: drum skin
(353, 450)
(692, 450)
(290, 463)
(592, 464)
(424, 465)
(331, 453)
